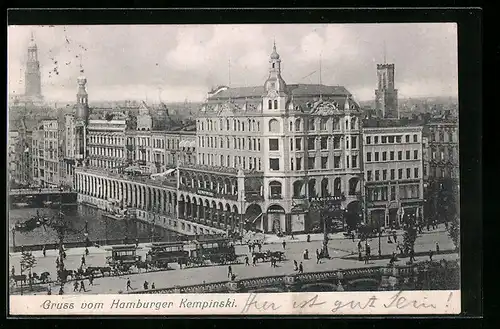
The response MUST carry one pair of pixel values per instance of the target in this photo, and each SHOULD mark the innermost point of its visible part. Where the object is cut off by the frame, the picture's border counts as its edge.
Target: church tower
(81, 120)
(386, 96)
(274, 87)
(33, 88)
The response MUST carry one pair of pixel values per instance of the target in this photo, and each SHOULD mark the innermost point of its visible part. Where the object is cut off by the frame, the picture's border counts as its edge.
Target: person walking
(91, 279)
(145, 285)
(260, 247)
(153, 286)
(43, 251)
(128, 285)
(395, 237)
(318, 256)
(86, 251)
(75, 286)
(249, 247)
(61, 290)
(367, 253)
(13, 271)
(229, 271)
(82, 287)
(295, 265)
(49, 290)
(254, 261)
(308, 238)
(83, 260)
(301, 268)
(412, 255)
(284, 244)
(431, 253)
(246, 261)
(437, 248)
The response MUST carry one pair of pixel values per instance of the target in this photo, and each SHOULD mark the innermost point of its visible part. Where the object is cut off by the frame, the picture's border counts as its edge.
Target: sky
(173, 63)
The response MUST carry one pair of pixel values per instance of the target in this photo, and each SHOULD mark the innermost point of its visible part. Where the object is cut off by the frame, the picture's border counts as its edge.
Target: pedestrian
(254, 261)
(295, 265)
(359, 246)
(83, 260)
(308, 238)
(428, 226)
(249, 247)
(82, 287)
(395, 237)
(61, 290)
(145, 285)
(229, 271)
(318, 256)
(137, 242)
(430, 255)
(43, 251)
(360, 256)
(13, 270)
(75, 286)
(49, 290)
(412, 255)
(367, 253)
(284, 244)
(306, 254)
(246, 261)
(301, 268)
(393, 258)
(260, 247)
(352, 236)
(153, 286)
(437, 248)
(86, 251)
(291, 236)
(64, 254)
(91, 279)
(128, 285)
(272, 261)
(233, 277)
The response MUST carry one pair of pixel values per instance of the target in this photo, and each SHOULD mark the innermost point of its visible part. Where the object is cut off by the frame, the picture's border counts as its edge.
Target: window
(258, 144)
(384, 156)
(347, 143)
(299, 163)
(393, 174)
(384, 139)
(273, 144)
(375, 140)
(400, 173)
(336, 124)
(270, 104)
(323, 124)
(400, 155)
(369, 156)
(415, 172)
(311, 141)
(415, 138)
(324, 143)
(298, 144)
(354, 142)
(384, 174)
(274, 126)
(275, 189)
(336, 143)
(408, 173)
(407, 155)
(377, 175)
(311, 124)
(324, 162)
(274, 164)
(376, 156)
(415, 154)
(398, 139)
(369, 175)
(368, 140)
(291, 144)
(347, 161)
(311, 162)
(336, 162)
(291, 164)
(391, 139)
(297, 125)
(354, 161)
(275, 104)
(407, 138)
(450, 137)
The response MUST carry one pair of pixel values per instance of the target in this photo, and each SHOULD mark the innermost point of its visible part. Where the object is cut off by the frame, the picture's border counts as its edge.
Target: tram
(123, 257)
(217, 250)
(162, 253)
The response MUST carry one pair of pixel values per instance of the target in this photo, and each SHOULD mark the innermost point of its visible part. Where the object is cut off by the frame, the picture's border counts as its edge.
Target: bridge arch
(318, 287)
(364, 284)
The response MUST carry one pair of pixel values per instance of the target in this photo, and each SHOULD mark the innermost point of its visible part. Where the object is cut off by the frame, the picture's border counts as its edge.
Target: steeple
(275, 81)
(32, 75)
(82, 98)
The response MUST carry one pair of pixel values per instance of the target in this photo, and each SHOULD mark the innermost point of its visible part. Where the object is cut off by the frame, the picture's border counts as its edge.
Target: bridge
(35, 197)
(425, 275)
(43, 191)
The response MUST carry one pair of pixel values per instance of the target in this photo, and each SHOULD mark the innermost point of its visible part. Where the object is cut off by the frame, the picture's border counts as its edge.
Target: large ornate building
(266, 153)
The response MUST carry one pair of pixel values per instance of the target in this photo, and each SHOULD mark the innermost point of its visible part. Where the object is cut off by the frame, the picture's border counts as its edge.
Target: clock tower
(275, 96)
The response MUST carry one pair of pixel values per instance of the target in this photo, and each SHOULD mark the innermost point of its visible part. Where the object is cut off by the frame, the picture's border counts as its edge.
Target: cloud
(186, 59)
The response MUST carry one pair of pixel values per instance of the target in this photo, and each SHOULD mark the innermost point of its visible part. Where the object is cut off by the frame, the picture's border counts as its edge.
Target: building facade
(393, 172)
(267, 153)
(444, 175)
(386, 96)
(46, 154)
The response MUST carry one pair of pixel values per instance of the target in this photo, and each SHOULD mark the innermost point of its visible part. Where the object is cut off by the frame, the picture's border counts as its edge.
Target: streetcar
(216, 250)
(123, 257)
(162, 253)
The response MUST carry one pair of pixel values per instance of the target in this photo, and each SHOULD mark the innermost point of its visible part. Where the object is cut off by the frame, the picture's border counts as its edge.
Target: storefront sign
(328, 198)
(278, 210)
(205, 192)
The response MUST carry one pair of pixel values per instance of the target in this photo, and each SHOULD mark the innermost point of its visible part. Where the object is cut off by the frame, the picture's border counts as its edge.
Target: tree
(28, 261)
(454, 231)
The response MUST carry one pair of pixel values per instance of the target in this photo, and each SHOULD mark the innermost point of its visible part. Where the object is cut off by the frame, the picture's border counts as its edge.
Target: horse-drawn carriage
(268, 255)
(216, 250)
(123, 257)
(163, 253)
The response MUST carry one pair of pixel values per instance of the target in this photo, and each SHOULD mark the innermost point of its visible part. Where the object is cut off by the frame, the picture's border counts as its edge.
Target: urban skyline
(193, 59)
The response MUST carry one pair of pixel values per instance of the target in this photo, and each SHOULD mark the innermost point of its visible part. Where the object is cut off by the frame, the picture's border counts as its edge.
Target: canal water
(99, 228)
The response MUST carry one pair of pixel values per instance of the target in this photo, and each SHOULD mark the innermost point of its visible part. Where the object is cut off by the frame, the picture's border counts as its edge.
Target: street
(338, 248)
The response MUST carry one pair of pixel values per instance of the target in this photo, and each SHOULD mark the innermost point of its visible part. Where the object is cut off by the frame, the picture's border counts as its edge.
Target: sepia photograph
(238, 158)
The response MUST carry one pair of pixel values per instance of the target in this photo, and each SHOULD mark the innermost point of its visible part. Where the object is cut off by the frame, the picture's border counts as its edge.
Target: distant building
(393, 171)
(386, 96)
(46, 162)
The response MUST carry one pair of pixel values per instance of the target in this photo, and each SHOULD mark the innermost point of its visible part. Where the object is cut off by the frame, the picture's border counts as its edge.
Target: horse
(105, 269)
(278, 255)
(260, 255)
(44, 277)
(142, 265)
(19, 278)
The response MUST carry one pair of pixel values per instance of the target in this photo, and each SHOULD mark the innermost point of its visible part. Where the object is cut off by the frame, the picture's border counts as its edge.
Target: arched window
(311, 124)
(353, 185)
(258, 126)
(275, 104)
(353, 123)
(274, 126)
(242, 126)
(312, 188)
(297, 189)
(270, 104)
(239, 125)
(227, 124)
(324, 187)
(297, 125)
(275, 190)
(291, 125)
(337, 188)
